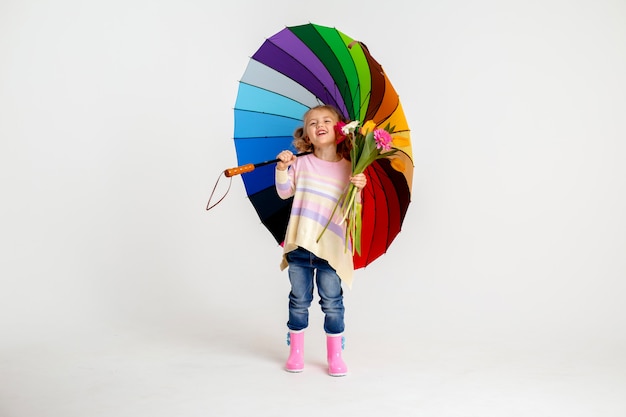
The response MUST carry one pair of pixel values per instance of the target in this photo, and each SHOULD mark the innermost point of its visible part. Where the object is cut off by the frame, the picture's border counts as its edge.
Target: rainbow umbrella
(301, 67)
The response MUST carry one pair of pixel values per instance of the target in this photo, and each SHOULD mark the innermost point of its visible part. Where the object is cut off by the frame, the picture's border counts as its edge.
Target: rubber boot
(334, 346)
(295, 362)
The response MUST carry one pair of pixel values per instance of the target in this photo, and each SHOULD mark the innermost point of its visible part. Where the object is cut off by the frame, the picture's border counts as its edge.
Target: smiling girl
(316, 181)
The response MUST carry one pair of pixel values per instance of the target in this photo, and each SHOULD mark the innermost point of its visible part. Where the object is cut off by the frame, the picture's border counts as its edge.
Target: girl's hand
(287, 158)
(359, 181)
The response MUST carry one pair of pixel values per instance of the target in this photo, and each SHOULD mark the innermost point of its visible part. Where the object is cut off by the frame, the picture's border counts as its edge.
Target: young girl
(316, 181)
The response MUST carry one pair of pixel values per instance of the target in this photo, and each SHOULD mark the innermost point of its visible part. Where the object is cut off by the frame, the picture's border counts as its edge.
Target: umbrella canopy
(294, 70)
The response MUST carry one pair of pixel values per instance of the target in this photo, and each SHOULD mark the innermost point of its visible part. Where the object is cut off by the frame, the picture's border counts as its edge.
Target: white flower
(349, 128)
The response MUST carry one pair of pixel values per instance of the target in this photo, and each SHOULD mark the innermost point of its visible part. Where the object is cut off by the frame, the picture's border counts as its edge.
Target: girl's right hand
(286, 159)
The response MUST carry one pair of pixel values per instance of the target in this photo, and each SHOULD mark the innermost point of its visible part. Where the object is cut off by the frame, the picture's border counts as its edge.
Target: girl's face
(320, 127)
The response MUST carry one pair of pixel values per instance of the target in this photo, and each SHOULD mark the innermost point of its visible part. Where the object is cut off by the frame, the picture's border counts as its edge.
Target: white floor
(227, 373)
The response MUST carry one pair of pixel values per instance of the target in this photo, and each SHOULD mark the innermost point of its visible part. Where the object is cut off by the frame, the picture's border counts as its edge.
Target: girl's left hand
(359, 181)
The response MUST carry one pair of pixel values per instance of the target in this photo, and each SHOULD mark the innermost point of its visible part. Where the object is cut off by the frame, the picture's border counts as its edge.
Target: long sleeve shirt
(316, 185)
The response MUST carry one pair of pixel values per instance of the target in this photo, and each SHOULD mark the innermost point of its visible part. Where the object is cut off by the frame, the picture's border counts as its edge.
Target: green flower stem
(358, 227)
(332, 214)
(349, 212)
(351, 196)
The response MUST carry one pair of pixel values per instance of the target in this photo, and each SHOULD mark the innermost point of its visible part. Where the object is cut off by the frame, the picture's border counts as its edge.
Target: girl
(316, 181)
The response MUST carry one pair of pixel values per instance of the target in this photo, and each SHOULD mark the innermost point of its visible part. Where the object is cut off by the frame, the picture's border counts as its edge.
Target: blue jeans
(303, 267)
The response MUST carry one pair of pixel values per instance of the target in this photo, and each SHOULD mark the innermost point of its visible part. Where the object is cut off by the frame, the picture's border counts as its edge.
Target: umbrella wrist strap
(209, 206)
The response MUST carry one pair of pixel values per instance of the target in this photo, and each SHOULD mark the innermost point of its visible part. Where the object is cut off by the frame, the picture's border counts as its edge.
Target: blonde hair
(301, 141)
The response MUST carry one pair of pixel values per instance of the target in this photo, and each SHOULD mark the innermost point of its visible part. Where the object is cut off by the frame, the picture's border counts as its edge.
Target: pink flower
(339, 135)
(383, 139)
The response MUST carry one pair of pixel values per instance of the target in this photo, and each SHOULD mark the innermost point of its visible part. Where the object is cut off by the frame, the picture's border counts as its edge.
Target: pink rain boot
(295, 362)
(334, 346)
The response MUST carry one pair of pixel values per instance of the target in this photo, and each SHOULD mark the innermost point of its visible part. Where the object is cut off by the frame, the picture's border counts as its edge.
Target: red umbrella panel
(301, 67)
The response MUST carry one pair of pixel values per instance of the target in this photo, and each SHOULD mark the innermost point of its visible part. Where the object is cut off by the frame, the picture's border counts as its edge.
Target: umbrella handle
(231, 172)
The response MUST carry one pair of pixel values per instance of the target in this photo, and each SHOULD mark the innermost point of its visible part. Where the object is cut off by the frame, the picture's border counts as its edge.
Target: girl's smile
(320, 127)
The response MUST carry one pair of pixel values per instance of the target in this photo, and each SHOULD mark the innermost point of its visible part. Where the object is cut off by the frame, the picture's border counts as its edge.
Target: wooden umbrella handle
(231, 172)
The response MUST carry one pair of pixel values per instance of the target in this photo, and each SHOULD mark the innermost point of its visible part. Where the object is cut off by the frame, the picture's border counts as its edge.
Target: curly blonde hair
(301, 141)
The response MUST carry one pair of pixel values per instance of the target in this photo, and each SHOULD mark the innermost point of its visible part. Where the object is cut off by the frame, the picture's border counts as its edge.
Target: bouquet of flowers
(368, 143)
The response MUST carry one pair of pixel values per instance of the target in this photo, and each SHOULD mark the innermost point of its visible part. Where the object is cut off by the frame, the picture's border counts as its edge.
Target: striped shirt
(316, 185)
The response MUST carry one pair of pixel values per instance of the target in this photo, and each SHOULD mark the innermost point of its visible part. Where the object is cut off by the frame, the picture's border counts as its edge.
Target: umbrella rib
(375, 181)
(380, 182)
(345, 89)
(325, 88)
(367, 96)
(356, 98)
(273, 92)
(268, 113)
(259, 137)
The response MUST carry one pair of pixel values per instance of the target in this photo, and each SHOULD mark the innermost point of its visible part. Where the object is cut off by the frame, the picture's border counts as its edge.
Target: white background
(120, 295)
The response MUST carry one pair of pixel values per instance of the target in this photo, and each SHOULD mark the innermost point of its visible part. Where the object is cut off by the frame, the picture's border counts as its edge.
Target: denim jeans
(304, 266)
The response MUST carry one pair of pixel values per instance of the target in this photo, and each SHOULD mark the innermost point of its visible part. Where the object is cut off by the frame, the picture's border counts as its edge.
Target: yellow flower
(397, 164)
(401, 142)
(368, 126)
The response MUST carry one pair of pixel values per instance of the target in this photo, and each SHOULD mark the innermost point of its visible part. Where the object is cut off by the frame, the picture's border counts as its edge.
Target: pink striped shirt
(316, 185)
